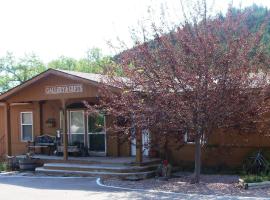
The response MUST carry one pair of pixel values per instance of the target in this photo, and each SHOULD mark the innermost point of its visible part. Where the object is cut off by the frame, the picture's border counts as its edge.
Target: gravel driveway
(54, 188)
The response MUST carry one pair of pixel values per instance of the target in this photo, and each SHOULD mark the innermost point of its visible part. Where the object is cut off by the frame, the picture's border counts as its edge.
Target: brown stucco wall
(17, 146)
(2, 130)
(224, 149)
(115, 147)
(51, 109)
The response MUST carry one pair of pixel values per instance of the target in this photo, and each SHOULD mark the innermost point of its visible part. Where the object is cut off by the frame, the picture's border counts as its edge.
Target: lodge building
(51, 104)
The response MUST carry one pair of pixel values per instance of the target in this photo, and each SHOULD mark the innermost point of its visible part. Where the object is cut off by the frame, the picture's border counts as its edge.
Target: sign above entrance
(64, 89)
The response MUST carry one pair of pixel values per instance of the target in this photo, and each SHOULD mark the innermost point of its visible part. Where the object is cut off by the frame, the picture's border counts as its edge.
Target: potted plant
(28, 163)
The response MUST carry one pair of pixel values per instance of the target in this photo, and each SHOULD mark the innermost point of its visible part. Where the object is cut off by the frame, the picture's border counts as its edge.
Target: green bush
(255, 178)
(256, 164)
(3, 166)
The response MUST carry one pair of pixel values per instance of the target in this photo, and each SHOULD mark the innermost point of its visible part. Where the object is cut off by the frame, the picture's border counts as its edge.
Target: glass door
(97, 134)
(76, 128)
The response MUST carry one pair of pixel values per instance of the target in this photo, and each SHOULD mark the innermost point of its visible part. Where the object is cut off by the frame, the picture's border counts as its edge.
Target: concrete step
(129, 175)
(99, 168)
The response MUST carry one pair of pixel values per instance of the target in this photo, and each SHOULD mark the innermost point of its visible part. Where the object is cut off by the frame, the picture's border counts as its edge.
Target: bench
(43, 142)
(76, 149)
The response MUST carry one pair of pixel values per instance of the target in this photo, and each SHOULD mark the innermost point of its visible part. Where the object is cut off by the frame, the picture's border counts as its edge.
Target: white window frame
(186, 138)
(21, 116)
(102, 132)
(203, 140)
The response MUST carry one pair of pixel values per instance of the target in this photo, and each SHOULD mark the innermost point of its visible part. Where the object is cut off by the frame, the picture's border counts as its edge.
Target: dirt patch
(209, 185)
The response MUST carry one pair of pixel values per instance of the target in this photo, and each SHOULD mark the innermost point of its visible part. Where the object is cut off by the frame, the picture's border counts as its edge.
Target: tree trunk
(197, 169)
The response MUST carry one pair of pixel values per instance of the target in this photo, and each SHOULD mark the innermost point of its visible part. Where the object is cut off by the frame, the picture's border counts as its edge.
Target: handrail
(2, 147)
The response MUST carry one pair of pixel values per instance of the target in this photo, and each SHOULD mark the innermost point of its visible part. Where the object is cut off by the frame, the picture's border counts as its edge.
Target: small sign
(64, 89)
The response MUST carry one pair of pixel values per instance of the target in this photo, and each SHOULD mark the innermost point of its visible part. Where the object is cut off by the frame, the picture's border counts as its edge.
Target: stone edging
(246, 186)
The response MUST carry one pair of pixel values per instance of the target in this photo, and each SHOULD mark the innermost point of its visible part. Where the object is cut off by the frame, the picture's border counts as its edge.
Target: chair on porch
(75, 148)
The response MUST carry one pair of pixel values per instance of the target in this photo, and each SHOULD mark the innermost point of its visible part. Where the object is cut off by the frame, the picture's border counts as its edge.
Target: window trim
(21, 124)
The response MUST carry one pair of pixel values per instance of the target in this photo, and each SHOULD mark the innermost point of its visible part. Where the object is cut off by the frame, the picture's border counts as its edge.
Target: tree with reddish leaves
(208, 73)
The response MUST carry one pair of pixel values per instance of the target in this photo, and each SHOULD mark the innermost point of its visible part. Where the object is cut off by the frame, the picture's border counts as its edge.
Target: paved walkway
(54, 188)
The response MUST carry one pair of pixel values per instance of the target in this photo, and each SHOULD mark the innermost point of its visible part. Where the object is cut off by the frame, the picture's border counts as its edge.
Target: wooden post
(139, 157)
(8, 130)
(40, 104)
(65, 135)
(85, 132)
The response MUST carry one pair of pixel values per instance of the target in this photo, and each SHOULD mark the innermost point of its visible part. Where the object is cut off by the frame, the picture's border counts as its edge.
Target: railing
(2, 147)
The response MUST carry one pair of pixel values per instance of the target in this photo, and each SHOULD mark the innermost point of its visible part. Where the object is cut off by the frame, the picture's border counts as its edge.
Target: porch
(120, 167)
(52, 104)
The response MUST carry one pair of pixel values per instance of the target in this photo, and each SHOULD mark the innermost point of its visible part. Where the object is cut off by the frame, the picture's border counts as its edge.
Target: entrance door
(133, 142)
(76, 128)
(145, 142)
(97, 135)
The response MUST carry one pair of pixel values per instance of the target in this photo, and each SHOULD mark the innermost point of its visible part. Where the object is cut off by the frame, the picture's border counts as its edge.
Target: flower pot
(28, 164)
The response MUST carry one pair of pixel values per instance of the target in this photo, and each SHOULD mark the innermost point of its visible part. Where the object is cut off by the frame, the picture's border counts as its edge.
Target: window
(96, 124)
(26, 126)
(96, 133)
(189, 137)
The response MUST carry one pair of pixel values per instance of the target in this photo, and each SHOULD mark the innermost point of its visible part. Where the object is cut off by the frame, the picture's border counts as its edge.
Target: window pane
(27, 118)
(27, 133)
(97, 142)
(76, 122)
(96, 123)
(77, 139)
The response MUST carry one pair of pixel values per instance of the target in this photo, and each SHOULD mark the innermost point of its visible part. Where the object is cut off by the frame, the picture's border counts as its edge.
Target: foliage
(94, 62)
(255, 178)
(256, 16)
(256, 164)
(199, 78)
(3, 166)
(64, 63)
(15, 71)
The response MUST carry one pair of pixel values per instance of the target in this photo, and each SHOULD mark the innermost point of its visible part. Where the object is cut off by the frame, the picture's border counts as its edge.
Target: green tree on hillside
(16, 71)
(63, 62)
(93, 62)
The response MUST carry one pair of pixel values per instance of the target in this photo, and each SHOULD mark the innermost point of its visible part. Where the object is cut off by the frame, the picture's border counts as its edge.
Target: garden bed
(255, 178)
(255, 181)
(209, 185)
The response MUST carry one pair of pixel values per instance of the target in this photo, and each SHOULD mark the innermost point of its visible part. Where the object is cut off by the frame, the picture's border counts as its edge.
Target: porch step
(93, 160)
(99, 167)
(129, 175)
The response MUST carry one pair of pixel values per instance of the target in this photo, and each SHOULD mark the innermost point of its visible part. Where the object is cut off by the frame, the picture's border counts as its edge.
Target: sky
(51, 28)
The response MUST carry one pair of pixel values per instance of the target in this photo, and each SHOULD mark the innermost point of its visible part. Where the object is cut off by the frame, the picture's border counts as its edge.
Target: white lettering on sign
(64, 89)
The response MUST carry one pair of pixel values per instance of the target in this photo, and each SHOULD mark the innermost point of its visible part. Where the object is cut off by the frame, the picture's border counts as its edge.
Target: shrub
(256, 164)
(3, 166)
(255, 178)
